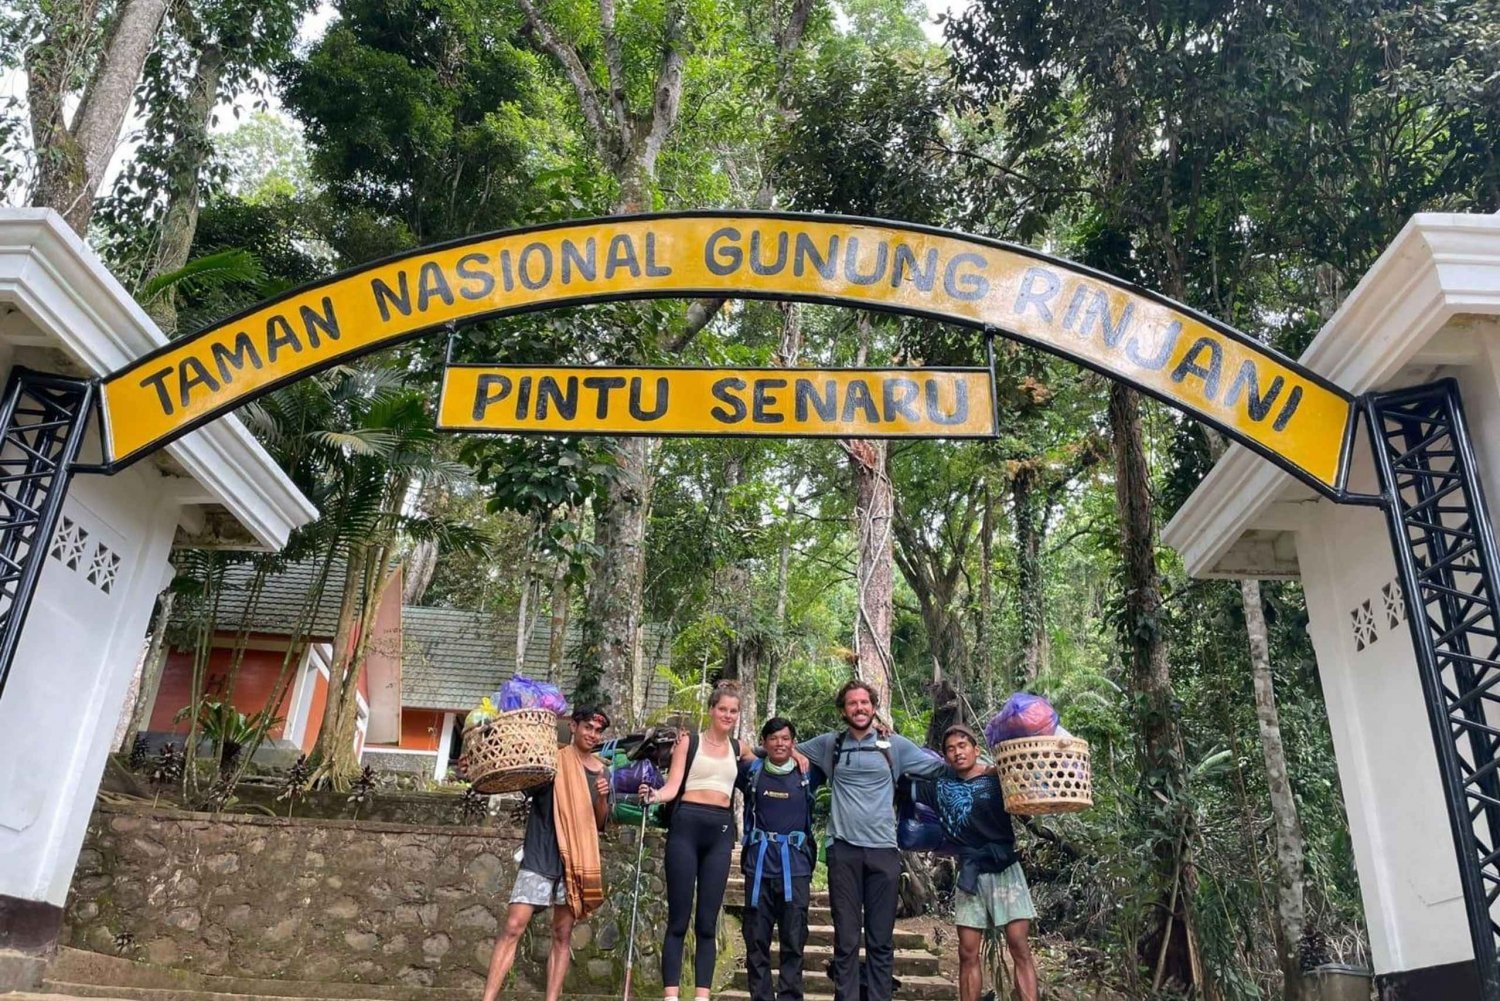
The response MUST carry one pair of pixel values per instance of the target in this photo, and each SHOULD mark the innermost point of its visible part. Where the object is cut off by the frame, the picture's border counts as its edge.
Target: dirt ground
(1065, 973)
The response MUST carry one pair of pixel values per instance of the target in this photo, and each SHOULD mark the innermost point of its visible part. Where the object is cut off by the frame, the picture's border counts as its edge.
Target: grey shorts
(537, 890)
(1002, 897)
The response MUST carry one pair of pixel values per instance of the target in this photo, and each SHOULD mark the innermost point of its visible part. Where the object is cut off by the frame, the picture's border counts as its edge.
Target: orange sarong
(577, 832)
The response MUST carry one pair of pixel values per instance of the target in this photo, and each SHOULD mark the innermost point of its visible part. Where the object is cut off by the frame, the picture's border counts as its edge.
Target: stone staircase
(916, 966)
(82, 974)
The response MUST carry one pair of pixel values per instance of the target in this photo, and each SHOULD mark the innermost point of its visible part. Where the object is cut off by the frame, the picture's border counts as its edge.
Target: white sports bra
(712, 772)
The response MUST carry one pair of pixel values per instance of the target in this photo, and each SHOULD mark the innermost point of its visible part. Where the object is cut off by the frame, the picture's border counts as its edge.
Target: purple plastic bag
(1023, 715)
(630, 778)
(553, 700)
(521, 692)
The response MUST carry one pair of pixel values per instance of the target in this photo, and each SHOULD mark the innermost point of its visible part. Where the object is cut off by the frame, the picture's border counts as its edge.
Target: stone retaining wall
(338, 900)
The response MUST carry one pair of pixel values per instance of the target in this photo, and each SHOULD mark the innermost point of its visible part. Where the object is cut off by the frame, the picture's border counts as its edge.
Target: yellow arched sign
(1250, 392)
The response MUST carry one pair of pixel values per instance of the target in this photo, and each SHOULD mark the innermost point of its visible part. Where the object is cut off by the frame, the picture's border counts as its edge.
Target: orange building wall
(315, 712)
(252, 688)
(421, 729)
(253, 685)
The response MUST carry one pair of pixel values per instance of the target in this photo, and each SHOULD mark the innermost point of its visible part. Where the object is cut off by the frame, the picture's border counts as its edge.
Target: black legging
(698, 850)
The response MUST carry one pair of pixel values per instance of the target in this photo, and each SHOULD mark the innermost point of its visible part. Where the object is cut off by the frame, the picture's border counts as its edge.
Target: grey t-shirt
(863, 787)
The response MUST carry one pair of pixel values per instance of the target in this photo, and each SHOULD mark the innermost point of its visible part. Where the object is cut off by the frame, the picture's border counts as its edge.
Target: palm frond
(359, 441)
(211, 271)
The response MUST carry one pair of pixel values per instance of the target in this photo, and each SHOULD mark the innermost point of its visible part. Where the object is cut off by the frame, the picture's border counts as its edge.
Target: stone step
(734, 894)
(924, 988)
(79, 973)
(56, 991)
(904, 939)
(93, 974)
(909, 962)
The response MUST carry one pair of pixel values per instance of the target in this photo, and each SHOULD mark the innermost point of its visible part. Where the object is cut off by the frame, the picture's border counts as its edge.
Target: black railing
(1446, 557)
(42, 423)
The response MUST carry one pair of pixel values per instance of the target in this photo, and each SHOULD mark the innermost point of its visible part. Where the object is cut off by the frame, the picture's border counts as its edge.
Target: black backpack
(898, 788)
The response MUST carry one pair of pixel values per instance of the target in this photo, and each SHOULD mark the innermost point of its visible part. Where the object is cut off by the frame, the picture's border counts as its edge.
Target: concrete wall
(68, 682)
(1403, 845)
(333, 900)
(1388, 766)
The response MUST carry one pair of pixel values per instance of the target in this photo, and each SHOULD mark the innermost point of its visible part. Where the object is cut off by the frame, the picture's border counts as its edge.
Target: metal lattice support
(1447, 560)
(42, 423)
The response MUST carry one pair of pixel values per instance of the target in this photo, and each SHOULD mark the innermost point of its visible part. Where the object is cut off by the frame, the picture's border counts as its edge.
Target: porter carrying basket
(515, 750)
(1045, 775)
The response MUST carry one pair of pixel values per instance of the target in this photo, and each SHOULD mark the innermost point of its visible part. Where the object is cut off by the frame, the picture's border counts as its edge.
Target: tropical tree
(93, 53)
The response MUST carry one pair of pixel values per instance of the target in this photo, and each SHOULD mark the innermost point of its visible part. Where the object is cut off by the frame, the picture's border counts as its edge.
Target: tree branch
(699, 313)
(614, 62)
(667, 93)
(573, 68)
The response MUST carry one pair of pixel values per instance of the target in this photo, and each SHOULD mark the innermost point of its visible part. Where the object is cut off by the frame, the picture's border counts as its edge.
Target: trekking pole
(635, 897)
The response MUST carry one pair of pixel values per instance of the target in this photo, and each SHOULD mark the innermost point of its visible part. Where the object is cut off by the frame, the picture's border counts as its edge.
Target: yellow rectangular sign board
(846, 403)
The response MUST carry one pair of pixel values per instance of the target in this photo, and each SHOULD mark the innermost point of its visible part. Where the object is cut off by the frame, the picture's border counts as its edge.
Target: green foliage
(1250, 161)
(208, 274)
(452, 139)
(867, 138)
(222, 724)
(264, 161)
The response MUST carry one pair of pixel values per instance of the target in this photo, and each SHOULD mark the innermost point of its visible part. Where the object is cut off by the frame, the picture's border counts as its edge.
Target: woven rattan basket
(1045, 775)
(515, 750)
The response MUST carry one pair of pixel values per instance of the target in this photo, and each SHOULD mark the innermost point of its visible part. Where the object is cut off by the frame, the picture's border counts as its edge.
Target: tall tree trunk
(946, 710)
(557, 623)
(747, 655)
(338, 762)
(72, 161)
(345, 639)
(982, 630)
(782, 648)
(1030, 607)
(151, 667)
(613, 607)
(874, 567)
(421, 565)
(1290, 911)
(180, 220)
(530, 593)
(1168, 946)
(52, 64)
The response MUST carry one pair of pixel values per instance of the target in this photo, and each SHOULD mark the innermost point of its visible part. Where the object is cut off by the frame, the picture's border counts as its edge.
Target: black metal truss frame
(1444, 544)
(43, 419)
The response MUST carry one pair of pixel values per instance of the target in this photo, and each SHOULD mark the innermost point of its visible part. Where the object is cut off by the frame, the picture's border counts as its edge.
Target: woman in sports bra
(701, 838)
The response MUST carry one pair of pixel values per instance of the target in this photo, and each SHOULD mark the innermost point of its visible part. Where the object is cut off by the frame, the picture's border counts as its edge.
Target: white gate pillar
(1429, 309)
(62, 312)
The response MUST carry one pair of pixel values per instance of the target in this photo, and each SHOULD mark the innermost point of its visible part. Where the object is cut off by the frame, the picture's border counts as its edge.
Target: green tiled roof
(453, 658)
(279, 610)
